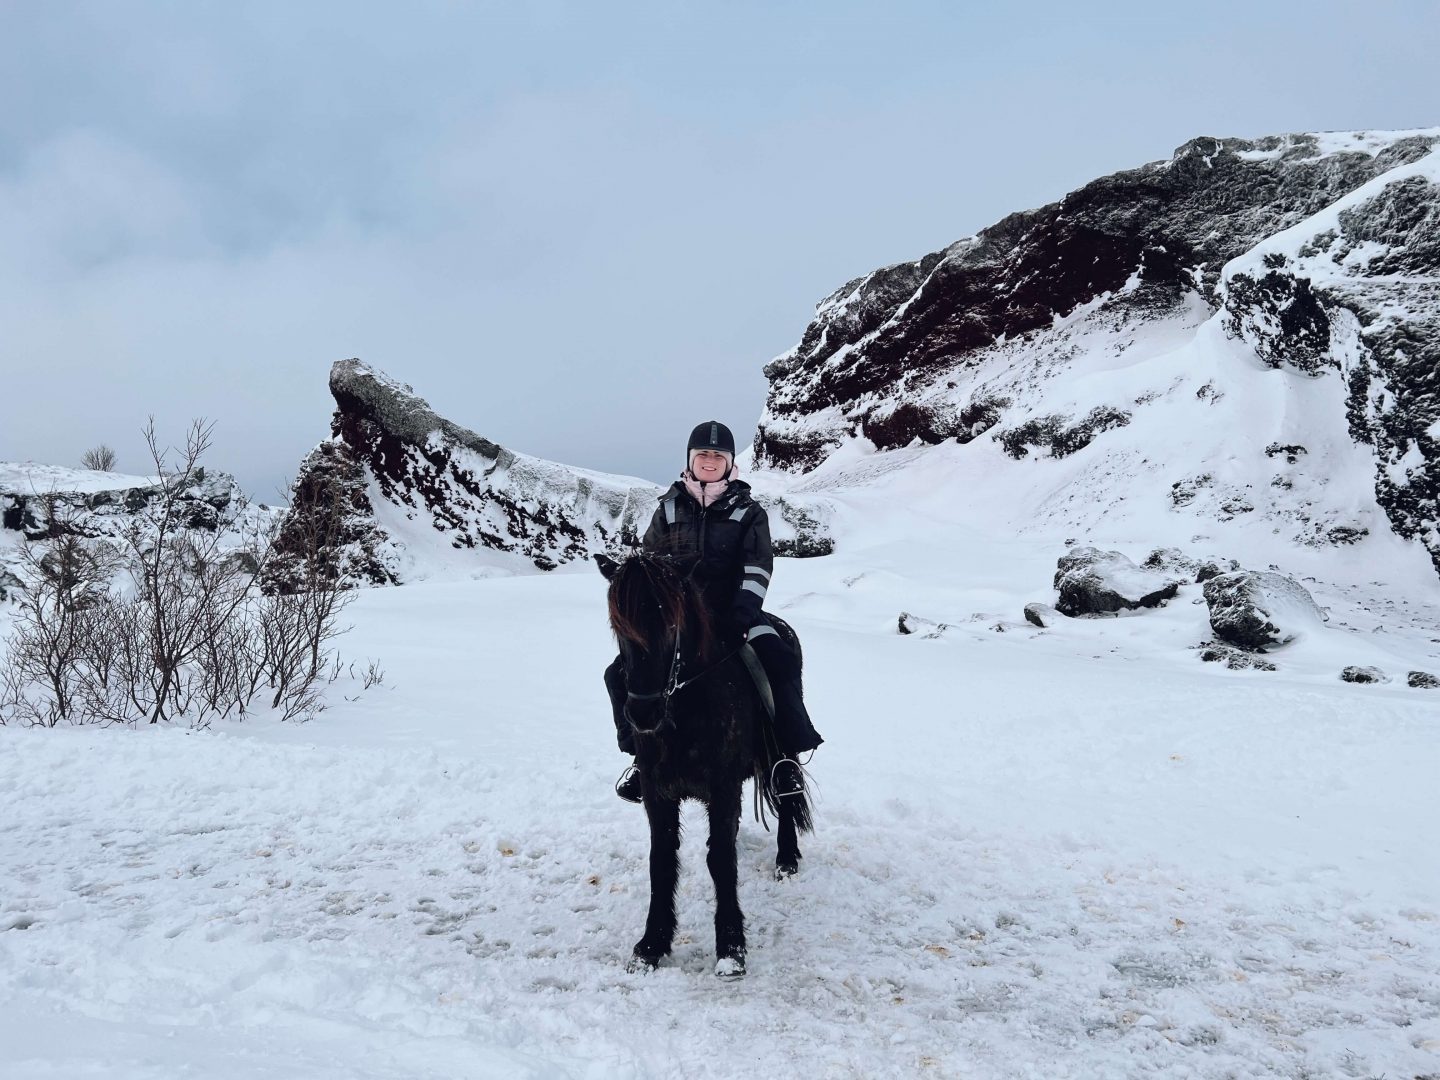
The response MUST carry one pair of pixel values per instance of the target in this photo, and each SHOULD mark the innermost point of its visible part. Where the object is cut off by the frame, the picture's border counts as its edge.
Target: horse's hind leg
(724, 810)
(787, 855)
(664, 816)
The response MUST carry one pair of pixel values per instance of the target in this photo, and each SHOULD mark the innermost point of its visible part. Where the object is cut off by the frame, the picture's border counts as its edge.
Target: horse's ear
(607, 565)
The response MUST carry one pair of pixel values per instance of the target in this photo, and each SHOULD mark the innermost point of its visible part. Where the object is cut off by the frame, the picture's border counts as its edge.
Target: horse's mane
(649, 595)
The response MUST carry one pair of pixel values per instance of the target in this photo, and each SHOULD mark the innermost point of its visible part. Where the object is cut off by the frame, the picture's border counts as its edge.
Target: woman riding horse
(708, 516)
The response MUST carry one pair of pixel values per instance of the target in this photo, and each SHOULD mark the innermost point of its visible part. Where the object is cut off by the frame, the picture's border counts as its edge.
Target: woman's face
(709, 465)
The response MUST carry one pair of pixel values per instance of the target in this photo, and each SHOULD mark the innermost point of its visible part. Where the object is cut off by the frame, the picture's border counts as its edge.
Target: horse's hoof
(785, 870)
(641, 965)
(730, 967)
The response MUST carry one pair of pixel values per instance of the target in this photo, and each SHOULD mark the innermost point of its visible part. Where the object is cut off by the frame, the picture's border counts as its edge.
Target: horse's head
(658, 622)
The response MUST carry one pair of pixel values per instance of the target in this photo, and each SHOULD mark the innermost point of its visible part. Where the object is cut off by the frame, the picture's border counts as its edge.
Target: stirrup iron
(799, 772)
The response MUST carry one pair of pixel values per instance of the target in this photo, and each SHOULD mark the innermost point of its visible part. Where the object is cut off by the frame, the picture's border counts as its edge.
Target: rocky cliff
(1157, 300)
(400, 493)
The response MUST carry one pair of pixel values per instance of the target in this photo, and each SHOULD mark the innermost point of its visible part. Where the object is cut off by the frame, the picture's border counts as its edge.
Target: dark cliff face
(397, 487)
(888, 356)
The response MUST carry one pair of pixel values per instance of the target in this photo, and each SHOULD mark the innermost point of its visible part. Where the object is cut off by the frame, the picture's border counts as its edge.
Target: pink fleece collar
(712, 491)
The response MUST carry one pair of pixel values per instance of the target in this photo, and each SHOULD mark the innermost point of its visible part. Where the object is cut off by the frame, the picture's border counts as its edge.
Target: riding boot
(628, 787)
(615, 687)
(793, 729)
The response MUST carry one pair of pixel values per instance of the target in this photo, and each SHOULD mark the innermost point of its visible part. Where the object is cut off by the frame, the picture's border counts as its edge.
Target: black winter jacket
(731, 537)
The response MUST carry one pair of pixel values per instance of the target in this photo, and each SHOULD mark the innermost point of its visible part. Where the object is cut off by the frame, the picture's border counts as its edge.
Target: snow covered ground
(1069, 853)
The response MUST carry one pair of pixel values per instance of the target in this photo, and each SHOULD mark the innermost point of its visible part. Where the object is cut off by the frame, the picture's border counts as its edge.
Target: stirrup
(799, 776)
(631, 772)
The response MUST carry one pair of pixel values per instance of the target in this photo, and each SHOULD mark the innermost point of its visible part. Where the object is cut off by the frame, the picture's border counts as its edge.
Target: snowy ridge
(39, 502)
(419, 496)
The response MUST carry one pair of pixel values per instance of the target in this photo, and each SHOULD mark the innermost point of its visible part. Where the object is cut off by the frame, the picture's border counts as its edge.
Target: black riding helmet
(711, 435)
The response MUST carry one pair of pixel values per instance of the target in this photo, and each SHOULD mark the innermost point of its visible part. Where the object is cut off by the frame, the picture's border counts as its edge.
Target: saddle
(753, 665)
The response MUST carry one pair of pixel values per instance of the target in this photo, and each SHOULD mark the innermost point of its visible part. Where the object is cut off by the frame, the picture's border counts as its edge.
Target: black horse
(701, 731)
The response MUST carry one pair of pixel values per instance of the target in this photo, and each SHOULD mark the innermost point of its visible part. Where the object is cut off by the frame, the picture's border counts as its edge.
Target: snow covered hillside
(1075, 852)
(1250, 329)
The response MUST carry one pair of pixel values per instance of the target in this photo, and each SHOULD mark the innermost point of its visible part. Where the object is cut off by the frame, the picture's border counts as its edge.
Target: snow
(1066, 853)
(33, 478)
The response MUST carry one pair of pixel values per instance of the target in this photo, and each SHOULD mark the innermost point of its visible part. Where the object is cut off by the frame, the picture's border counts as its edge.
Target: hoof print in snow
(1233, 658)
(1257, 610)
(1422, 680)
(1095, 582)
(1359, 674)
(1041, 615)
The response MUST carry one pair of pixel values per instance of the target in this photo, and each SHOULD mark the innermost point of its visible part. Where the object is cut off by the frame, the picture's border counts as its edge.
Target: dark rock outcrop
(1258, 610)
(1094, 582)
(399, 492)
(1422, 680)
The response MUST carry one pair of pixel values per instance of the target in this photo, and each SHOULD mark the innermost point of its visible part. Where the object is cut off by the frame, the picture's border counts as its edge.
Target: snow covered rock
(1172, 561)
(1422, 680)
(399, 493)
(1256, 610)
(41, 502)
(1041, 615)
(1356, 673)
(1245, 333)
(918, 624)
(1235, 659)
(1094, 582)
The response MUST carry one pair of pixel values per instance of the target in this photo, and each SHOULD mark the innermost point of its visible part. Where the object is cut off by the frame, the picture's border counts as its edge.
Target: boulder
(1358, 674)
(1171, 561)
(1258, 610)
(1233, 658)
(1422, 680)
(1095, 582)
(1041, 615)
(918, 624)
(1213, 568)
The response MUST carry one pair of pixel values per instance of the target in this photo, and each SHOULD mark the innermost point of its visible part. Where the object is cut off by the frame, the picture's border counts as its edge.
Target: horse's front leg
(664, 816)
(720, 858)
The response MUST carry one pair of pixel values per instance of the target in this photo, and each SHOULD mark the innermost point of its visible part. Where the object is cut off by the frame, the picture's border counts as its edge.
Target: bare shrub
(100, 458)
(168, 622)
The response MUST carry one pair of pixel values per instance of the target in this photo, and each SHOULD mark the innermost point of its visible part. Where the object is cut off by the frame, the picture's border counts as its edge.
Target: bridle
(673, 685)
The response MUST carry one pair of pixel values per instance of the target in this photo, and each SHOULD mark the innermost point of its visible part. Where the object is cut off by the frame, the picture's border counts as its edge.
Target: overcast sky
(576, 228)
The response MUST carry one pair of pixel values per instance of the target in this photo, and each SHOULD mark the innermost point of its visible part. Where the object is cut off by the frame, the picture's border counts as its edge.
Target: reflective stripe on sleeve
(758, 571)
(669, 511)
(761, 631)
(755, 587)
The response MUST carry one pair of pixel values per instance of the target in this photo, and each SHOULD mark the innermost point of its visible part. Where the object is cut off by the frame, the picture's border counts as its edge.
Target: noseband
(672, 685)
